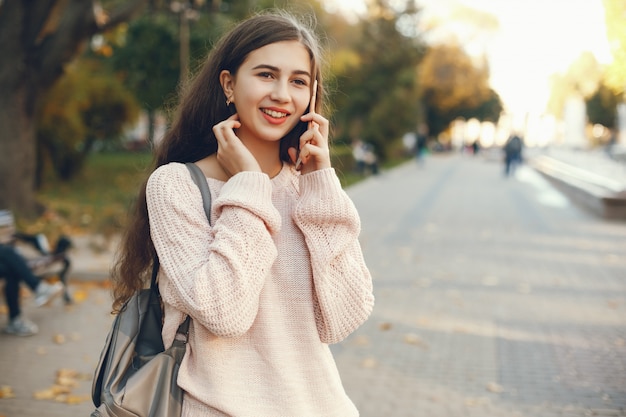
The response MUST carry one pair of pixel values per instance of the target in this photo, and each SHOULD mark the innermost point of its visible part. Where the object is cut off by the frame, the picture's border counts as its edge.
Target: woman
(279, 273)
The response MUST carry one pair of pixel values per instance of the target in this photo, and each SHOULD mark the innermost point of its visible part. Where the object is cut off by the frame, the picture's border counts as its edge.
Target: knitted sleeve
(331, 226)
(215, 274)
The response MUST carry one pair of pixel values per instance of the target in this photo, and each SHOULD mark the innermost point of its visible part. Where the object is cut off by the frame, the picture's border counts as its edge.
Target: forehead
(287, 56)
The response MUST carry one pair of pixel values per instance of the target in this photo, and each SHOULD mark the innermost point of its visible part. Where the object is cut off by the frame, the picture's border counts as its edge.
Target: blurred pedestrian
(420, 143)
(475, 147)
(512, 154)
(409, 139)
(358, 153)
(278, 274)
(370, 159)
(610, 144)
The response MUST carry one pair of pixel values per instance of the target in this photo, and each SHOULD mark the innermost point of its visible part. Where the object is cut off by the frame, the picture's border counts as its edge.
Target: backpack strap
(198, 177)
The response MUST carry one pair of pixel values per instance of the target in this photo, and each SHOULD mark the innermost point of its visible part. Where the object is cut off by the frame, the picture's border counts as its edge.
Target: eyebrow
(276, 69)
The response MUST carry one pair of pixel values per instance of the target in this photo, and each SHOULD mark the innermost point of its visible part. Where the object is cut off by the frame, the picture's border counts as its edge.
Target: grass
(97, 202)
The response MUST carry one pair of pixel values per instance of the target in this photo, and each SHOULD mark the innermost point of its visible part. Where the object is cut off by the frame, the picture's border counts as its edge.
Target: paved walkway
(495, 297)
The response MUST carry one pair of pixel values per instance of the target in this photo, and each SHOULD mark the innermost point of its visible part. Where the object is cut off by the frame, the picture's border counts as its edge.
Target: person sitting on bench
(14, 268)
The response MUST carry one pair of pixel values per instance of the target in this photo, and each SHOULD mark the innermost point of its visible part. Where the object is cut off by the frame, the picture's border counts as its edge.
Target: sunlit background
(525, 42)
(473, 71)
(495, 296)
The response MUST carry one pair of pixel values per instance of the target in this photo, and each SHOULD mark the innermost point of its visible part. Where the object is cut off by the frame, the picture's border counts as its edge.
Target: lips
(275, 114)
(275, 117)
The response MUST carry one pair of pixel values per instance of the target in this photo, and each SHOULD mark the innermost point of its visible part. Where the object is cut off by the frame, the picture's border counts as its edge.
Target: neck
(267, 155)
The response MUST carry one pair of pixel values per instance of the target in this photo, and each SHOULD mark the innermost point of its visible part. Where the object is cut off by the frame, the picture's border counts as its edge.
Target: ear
(228, 83)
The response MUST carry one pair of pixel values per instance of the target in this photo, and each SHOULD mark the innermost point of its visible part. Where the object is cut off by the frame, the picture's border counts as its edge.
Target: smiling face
(270, 90)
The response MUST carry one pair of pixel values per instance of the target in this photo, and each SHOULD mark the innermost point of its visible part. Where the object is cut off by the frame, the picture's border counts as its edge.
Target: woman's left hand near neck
(232, 154)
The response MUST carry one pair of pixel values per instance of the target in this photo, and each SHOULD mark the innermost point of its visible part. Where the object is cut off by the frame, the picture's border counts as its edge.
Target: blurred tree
(582, 79)
(86, 106)
(378, 98)
(615, 12)
(148, 62)
(453, 86)
(602, 107)
(38, 39)
(149, 58)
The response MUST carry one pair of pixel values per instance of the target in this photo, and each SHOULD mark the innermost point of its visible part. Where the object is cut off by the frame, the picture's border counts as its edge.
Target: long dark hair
(190, 138)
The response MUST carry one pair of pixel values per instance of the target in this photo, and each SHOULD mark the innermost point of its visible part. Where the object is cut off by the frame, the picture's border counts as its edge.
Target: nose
(280, 92)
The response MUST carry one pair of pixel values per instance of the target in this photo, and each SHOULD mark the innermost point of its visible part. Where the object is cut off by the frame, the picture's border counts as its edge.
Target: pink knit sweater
(277, 277)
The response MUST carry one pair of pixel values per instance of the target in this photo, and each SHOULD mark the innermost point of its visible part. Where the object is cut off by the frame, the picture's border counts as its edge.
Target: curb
(601, 195)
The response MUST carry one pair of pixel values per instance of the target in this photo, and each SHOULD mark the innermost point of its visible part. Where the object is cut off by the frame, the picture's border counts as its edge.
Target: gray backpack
(136, 376)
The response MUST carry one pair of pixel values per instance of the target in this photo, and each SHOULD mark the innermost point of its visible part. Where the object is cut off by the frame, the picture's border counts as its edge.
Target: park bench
(45, 262)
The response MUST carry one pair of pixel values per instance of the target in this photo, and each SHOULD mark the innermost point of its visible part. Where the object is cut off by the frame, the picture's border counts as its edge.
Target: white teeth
(275, 114)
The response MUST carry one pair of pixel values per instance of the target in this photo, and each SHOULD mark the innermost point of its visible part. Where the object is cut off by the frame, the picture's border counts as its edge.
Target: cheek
(302, 104)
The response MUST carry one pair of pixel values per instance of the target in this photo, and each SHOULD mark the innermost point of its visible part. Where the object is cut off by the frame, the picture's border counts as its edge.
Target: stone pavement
(495, 297)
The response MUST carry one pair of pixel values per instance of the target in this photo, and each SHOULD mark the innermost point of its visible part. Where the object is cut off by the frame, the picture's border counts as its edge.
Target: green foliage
(148, 61)
(581, 79)
(98, 200)
(453, 86)
(602, 107)
(84, 107)
(615, 11)
(378, 97)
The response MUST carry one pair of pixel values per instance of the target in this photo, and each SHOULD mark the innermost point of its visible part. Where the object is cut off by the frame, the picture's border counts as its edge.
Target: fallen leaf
(369, 363)
(59, 339)
(384, 326)
(44, 394)
(361, 341)
(423, 321)
(413, 339)
(67, 382)
(80, 295)
(41, 351)
(494, 387)
(6, 392)
(71, 373)
(51, 393)
(61, 398)
(77, 399)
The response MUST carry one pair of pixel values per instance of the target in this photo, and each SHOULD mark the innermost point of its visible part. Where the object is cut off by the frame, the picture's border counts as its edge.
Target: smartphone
(311, 110)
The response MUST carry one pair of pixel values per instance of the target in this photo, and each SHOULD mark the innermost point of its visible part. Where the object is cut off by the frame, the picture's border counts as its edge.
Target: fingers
(224, 130)
(319, 120)
(313, 158)
(314, 136)
(314, 151)
(232, 154)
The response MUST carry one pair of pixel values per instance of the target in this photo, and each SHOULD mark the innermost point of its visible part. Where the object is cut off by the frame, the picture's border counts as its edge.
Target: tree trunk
(37, 39)
(17, 154)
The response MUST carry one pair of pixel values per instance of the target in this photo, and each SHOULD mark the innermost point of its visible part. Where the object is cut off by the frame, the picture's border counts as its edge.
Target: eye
(265, 74)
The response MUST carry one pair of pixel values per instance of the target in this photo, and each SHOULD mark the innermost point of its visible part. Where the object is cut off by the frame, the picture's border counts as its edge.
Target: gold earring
(228, 101)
